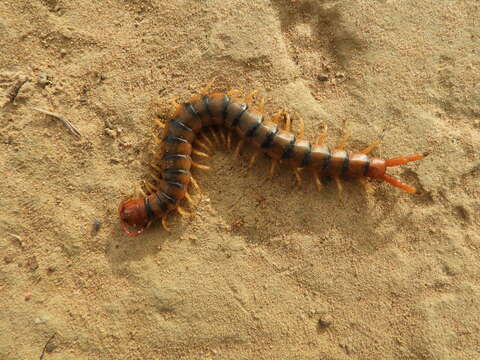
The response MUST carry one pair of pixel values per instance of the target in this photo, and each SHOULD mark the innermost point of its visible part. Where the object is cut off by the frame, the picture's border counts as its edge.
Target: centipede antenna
(397, 183)
(404, 159)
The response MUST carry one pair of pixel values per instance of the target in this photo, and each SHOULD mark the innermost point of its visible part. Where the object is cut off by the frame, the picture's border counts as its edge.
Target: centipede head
(133, 216)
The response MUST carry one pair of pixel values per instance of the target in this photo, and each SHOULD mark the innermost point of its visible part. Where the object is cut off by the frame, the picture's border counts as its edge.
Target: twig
(12, 94)
(67, 123)
(45, 347)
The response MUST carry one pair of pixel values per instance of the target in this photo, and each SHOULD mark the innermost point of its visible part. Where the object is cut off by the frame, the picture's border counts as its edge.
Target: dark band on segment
(180, 125)
(175, 184)
(166, 196)
(254, 128)
(173, 156)
(191, 110)
(244, 107)
(206, 102)
(327, 160)
(161, 204)
(346, 163)
(174, 139)
(148, 208)
(269, 139)
(367, 166)
(226, 102)
(287, 154)
(173, 171)
(306, 157)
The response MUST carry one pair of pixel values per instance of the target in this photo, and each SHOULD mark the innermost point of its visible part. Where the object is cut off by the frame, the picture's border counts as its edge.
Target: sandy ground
(265, 270)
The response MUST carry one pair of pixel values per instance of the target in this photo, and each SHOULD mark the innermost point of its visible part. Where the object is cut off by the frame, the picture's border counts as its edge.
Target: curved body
(219, 109)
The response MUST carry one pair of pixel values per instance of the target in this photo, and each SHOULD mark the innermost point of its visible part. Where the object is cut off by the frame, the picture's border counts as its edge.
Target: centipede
(229, 118)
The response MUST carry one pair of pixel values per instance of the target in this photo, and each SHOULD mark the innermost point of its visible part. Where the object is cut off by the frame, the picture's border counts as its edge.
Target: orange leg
(371, 147)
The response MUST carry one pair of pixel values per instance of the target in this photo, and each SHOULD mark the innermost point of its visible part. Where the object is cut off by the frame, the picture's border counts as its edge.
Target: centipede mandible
(230, 121)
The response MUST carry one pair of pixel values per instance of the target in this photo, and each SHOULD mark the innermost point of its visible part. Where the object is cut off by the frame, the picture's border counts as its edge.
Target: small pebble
(96, 225)
(322, 77)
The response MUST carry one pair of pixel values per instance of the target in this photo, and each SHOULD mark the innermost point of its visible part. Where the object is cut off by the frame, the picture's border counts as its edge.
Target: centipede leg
(239, 148)
(276, 117)
(214, 135)
(155, 167)
(272, 168)
(229, 138)
(202, 145)
(301, 131)
(344, 139)
(261, 106)
(223, 138)
(189, 199)
(316, 179)
(164, 224)
(288, 122)
(365, 184)
(370, 147)
(159, 123)
(195, 184)
(339, 185)
(150, 187)
(200, 166)
(252, 159)
(323, 135)
(250, 96)
(184, 212)
(199, 153)
(298, 177)
(207, 140)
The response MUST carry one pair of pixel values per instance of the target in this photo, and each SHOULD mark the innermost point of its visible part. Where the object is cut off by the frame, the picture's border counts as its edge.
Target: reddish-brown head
(133, 216)
(376, 168)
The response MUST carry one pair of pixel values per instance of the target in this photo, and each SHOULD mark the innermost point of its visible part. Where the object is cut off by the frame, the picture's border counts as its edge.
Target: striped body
(266, 136)
(219, 109)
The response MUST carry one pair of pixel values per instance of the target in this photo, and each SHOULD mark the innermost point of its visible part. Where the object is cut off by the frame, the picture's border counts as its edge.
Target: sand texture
(265, 270)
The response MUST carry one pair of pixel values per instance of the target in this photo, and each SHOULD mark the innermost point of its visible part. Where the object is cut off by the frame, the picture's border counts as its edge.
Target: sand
(265, 270)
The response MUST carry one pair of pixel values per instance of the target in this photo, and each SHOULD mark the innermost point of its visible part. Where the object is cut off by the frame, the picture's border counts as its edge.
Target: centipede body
(174, 160)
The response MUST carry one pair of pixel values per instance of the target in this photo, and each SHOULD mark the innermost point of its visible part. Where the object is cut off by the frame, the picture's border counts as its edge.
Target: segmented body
(219, 109)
